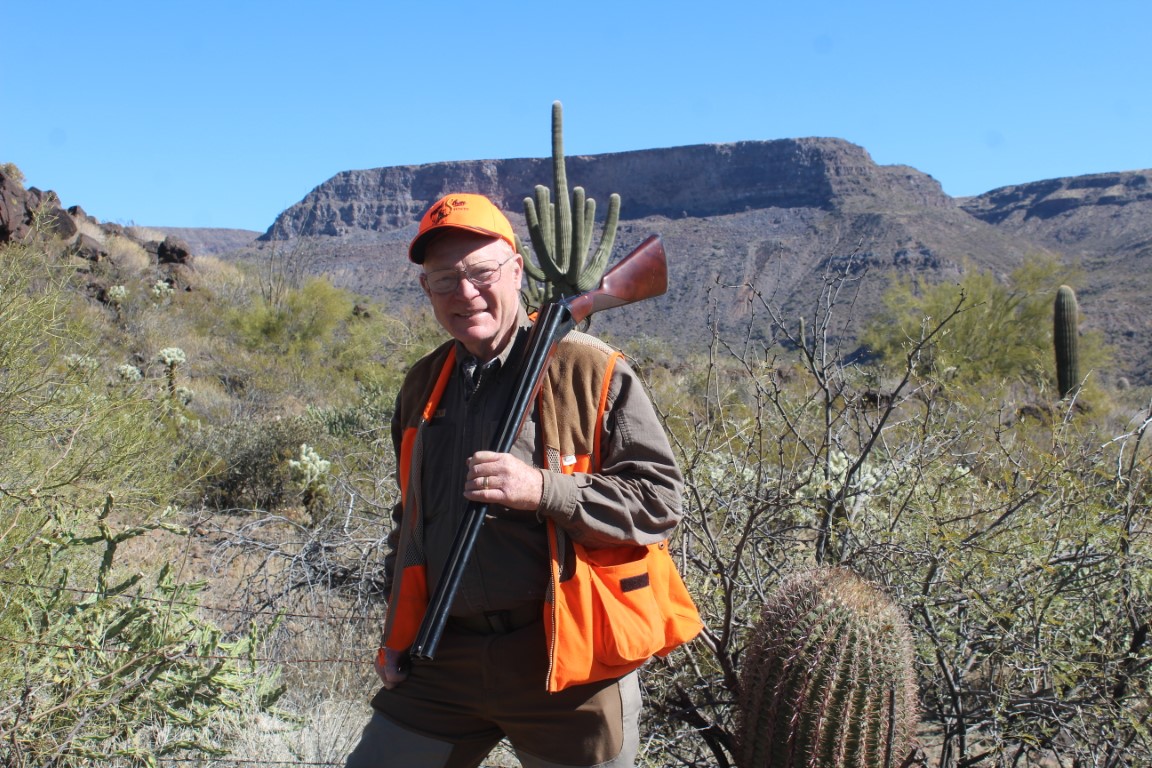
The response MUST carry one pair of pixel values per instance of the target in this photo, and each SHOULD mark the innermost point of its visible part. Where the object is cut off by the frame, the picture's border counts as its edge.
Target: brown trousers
(452, 711)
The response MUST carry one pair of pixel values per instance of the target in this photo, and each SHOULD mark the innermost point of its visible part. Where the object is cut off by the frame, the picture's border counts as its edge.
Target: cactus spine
(1066, 338)
(561, 232)
(827, 680)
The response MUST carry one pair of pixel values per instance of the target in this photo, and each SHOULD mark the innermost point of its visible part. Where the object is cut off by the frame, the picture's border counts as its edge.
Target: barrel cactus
(827, 680)
(1066, 337)
(561, 232)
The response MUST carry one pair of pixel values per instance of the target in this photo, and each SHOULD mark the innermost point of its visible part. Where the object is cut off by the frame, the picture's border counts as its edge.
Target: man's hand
(391, 666)
(501, 478)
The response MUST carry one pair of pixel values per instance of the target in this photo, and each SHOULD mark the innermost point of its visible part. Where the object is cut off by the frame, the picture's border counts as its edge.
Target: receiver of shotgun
(642, 274)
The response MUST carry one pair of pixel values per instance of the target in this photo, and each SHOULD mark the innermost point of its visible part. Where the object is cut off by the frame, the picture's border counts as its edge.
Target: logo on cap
(445, 209)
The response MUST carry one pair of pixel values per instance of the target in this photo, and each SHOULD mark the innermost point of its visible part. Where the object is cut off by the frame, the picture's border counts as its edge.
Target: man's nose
(465, 287)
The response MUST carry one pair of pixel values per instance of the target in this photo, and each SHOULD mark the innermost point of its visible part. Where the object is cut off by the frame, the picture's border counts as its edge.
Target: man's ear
(424, 285)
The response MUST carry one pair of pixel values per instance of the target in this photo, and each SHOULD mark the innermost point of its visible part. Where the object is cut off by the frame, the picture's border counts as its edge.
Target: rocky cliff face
(755, 232)
(693, 181)
(771, 219)
(1101, 216)
(1044, 201)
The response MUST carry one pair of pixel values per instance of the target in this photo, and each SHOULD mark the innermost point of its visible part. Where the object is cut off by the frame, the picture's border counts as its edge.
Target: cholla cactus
(81, 364)
(310, 472)
(170, 358)
(867, 483)
(116, 296)
(561, 233)
(128, 373)
(827, 681)
(162, 290)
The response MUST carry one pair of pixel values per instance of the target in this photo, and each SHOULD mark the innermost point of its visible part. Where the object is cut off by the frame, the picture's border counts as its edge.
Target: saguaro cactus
(561, 232)
(827, 680)
(1066, 337)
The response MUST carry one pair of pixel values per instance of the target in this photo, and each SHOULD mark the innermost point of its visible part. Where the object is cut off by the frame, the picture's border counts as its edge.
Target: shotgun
(642, 274)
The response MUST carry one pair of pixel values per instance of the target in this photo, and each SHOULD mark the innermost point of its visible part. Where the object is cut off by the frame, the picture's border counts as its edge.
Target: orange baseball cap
(472, 213)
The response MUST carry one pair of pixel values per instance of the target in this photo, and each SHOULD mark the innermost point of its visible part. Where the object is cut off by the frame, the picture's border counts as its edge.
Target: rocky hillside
(773, 219)
(82, 237)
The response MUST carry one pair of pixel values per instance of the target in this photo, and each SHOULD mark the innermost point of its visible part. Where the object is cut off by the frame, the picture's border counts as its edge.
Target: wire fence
(166, 601)
(362, 660)
(275, 743)
(184, 655)
(210, 762)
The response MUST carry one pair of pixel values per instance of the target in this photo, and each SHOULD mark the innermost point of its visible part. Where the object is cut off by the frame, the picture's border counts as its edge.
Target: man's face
(481, 317)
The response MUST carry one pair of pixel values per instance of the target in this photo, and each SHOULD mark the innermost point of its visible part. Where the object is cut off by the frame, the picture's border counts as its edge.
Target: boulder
(46, 206)
(20, 207)
(12, 224)
(174, 251)
(88, 248)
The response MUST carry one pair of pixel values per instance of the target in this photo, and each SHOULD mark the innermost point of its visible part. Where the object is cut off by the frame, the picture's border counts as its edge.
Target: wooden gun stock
(642, 274)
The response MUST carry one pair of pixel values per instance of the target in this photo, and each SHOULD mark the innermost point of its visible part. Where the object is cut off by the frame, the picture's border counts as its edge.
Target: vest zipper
(555, 549)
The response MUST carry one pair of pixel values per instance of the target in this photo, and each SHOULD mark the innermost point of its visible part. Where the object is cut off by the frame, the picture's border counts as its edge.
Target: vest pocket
(628, 625)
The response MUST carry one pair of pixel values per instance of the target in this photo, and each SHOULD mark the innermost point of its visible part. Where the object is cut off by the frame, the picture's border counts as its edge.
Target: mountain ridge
(752, 221)
(771, 218)
(691, 180)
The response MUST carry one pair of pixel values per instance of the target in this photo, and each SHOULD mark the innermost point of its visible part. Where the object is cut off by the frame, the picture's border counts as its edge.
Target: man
(591, 470)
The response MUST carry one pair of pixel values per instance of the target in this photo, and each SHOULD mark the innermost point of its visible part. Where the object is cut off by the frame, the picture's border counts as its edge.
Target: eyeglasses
(481, 273)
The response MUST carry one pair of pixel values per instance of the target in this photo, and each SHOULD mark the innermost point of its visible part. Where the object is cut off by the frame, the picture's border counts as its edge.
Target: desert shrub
(133, 672)
(221, 279)
(246, 463)
(91, 229)
(996, 331)
(367, 418)
(1019, 548)
(13, 172)
(128, 256)
(102, 663)
(147, 234)
(299, 324)
(312, 347)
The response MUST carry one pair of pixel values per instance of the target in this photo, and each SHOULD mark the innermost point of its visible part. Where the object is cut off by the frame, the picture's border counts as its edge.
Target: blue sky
(224, 113)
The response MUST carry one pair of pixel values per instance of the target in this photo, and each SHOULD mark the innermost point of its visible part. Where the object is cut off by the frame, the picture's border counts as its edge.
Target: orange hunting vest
(608, 610)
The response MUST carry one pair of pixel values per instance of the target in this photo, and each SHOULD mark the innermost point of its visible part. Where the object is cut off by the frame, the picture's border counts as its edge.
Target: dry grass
(91, 229)
(221, 279)
(128, 256)
(147, 234)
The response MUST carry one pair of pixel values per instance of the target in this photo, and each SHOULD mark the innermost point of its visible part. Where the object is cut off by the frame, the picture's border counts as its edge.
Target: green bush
(247, 463)
(988, 330)
(121, 668)
(302, 323)
(102, 662)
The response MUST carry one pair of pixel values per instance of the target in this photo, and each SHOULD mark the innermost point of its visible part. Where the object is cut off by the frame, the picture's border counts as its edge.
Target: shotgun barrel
(642, 274)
